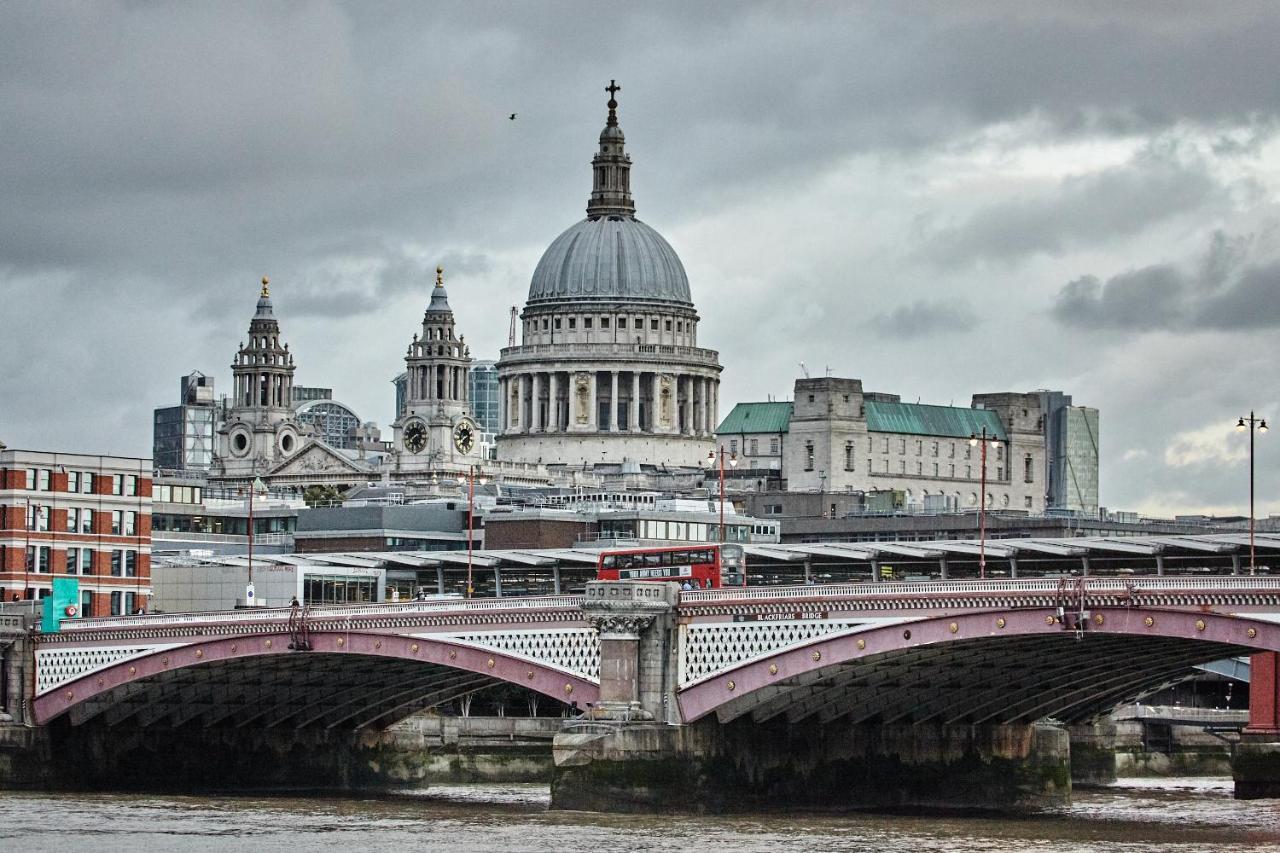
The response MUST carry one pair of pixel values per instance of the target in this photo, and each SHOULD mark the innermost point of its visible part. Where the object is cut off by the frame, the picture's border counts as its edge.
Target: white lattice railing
(267, 614)
(882, 590)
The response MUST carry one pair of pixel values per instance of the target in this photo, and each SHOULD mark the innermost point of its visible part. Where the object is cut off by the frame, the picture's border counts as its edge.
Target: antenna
(804, 370)
(511, 335)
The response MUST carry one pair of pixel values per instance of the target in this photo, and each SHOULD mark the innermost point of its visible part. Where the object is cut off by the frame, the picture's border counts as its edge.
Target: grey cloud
(926, 317)
(1104, 207)
(1222, 294)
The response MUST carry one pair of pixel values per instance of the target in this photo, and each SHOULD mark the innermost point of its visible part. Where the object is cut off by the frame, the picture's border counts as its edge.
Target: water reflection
(1178, 814)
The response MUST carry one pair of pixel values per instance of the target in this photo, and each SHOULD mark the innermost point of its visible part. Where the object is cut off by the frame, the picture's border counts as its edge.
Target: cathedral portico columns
(593, 405)
(633, 411)
(553, 403)
(708, 420)
(613, 404)
(535, 415)
(520, 421)
(655, 408)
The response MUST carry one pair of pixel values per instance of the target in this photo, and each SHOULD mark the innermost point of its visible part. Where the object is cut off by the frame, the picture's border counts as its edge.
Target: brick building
(76, 514)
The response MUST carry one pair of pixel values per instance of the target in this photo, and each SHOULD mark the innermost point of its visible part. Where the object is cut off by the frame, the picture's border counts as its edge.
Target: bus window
(610, 561)
(653, 559)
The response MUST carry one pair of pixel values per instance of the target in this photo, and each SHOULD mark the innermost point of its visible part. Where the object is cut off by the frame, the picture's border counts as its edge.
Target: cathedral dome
(614, 258)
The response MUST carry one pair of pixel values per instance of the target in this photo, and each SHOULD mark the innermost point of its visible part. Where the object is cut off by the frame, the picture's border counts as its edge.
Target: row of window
(83, 482)
(77, 561)
(80, 520)
(121, 602)
(589, 322)
(165, 493)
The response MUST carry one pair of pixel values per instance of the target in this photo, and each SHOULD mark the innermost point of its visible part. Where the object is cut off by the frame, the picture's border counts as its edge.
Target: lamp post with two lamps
(1253, 425)
(470, 481)
(733, 463)
(983, 439)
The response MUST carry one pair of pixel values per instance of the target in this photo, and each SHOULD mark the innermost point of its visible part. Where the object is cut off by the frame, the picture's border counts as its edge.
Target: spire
(439, 276)
(264, 299)
(439, 296)
(611, 168)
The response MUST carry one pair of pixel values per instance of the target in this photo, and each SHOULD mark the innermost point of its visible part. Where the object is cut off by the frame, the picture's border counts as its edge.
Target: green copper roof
(918, 419)
(757, 417)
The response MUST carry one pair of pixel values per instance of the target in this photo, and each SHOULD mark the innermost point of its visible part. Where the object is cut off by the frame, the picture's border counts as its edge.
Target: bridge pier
(1255, 765)
(1093, 753)
(741, 766)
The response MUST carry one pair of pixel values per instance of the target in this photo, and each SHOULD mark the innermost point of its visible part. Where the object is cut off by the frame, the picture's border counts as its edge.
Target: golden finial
(439, 276)
(266, 291)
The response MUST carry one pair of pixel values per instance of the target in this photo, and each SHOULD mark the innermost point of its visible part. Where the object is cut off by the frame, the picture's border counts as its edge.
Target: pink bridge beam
(830, 651)
(550, 681)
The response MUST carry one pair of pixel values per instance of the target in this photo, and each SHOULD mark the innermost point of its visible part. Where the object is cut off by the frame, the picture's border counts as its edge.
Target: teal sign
(63, 603)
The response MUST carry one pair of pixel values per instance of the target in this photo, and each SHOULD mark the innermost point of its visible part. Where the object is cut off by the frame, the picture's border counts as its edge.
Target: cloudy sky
(938, 199)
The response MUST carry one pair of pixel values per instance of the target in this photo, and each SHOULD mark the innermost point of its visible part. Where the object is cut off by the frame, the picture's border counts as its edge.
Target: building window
(810, 398)
(935, 469)
(131, 485)
(622, 322)
(130, 523)
(115, 604)
(130, 604)
(73, 481)
(73, 520)
(733, 446)
(886, 466)
(848, 456)
(668, 325)
(117, 522)
(773, 446)
(919, 448)
(46, 480)
(573, 322)
(679, 325)
(117, 563)
(1028, 470)
(968, 453)
(952, 453)
(1026, 502)
(557, 322)
(999, 452)
(919, 468)
(131, 564)
(43, 559)
(544, 324)
(586, 322)
(604, 322)
(902, 446)
(999, 472)
(808, 456)
(653, 324)
(30, 485)
(73, 560)
(953, 471)
(86, 521)
(117, 480)
(935, 450)
(968, 472)
(86, 561)
(902, 466)
(755, 447)
(884, 445)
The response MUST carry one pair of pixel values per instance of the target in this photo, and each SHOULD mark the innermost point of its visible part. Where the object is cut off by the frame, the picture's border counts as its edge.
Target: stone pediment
(316, 457)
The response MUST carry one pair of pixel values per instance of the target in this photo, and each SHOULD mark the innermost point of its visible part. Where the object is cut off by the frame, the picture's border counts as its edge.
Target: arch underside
(333, 691)
(346, 680)
(970, 682)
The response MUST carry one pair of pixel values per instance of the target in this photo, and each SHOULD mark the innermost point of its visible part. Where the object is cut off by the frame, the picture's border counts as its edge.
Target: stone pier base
(742, 766)
(1255, 766)
(1093, 753)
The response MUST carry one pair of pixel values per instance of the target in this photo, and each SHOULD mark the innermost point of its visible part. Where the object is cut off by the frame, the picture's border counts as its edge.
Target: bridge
(916, 679)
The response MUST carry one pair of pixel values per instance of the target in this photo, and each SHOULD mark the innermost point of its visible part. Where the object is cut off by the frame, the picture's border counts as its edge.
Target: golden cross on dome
(439, 276)
(266, 290)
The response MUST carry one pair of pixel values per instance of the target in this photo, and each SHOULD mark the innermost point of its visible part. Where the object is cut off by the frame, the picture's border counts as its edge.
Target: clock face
(415, 437)
(464, 435)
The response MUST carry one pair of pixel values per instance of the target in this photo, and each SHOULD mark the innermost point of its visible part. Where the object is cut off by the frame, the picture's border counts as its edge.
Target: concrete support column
(1084, 566)
(503, 421)
(634, 409)
(1159, 563)
(439, 580)
(695, 403)
(942, 568)
(690, 409)
(613, 405)
(1255, 760)
(497, 582)
(623, 612)
(555, 579)
(535, 417)
(553, 406)
(1013, 567)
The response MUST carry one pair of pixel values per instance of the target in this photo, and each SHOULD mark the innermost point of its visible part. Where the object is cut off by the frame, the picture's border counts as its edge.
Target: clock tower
(261, 428)
(436, 430)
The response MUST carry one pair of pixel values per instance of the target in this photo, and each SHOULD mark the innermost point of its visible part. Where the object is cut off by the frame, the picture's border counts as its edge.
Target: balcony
(610, 350)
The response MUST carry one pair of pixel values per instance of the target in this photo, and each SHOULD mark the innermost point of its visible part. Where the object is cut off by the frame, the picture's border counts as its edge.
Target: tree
(321, 495)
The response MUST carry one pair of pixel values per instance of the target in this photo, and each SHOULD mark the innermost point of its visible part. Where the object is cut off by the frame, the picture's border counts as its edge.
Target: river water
(1155, 815)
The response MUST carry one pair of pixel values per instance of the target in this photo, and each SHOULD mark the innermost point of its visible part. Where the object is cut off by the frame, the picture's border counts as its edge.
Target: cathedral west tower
(609, 368)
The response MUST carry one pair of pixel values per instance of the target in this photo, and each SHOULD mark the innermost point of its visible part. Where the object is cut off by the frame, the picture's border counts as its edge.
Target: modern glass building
(335, 422)
(485, 400)
(1071, 438)
(183, 436)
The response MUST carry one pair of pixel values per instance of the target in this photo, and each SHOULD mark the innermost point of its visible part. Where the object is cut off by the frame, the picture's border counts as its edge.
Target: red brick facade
(67, 514)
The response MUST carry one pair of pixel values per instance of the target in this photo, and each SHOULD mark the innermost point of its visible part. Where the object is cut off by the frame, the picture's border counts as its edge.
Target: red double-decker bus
(700, 566)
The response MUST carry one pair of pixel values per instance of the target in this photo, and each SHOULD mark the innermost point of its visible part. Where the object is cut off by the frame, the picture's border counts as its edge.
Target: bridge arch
(348, 679)
(996, 666)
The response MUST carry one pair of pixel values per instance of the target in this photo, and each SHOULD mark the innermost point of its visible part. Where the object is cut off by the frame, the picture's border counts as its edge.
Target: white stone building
(609, 369)
(836, 437)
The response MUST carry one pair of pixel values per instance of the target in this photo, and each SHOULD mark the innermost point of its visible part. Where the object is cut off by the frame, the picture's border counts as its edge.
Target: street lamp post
(733, 463)
(1253, 425)
(470, 481)
(256, 486)
(982, 439)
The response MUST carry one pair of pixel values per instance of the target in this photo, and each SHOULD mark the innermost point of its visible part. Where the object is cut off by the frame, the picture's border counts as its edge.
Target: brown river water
(1138, 815)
